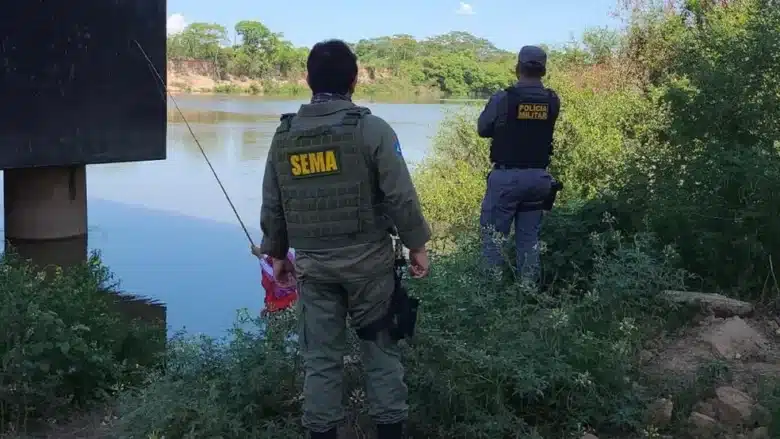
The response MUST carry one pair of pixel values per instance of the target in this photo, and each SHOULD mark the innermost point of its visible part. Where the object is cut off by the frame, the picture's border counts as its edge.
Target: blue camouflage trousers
(508, 190)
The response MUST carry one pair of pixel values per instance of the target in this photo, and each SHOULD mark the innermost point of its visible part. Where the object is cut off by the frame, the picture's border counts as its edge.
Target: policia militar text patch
(533, 111)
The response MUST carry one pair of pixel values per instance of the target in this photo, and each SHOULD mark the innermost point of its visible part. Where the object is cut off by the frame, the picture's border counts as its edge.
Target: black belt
(504, 167)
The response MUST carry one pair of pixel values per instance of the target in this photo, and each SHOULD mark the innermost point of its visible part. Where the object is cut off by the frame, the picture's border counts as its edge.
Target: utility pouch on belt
(401, 318)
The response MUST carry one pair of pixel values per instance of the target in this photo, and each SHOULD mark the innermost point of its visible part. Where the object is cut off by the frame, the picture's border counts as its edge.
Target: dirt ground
(750, 347)
(714, 370)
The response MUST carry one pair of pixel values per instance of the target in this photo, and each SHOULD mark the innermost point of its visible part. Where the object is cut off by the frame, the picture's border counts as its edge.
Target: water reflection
(137, 307)
(217, 117)
(202, 270)
(165, 228)
(254, 145)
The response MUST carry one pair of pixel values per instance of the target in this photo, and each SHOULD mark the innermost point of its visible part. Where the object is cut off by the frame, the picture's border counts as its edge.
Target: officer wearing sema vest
(520, 120)
(335, 183)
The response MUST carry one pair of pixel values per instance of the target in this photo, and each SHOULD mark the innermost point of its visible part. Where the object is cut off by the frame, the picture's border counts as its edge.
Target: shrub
(227, 88)
(490, 358)
(705, 178)
(64, 344)
(246, 385)
(770, 398)
(451, 179)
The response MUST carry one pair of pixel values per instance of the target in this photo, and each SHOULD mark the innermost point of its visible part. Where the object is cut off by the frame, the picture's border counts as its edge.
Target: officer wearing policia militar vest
(335, 184)
(520, 120)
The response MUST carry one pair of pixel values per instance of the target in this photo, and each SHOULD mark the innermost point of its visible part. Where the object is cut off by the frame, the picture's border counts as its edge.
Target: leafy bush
(451, 179)
(64, 344)
(247, 386)
(705, 177)
(490, 359)
(770, 398)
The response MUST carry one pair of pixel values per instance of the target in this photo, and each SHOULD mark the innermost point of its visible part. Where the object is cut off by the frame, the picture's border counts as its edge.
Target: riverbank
(391, 67)
(605, 352)
(602, 349)
(196, 77)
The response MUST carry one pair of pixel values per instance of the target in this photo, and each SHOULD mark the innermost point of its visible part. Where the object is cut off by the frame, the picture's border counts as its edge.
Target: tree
(256, 37)
(201, 40)
(459, 41)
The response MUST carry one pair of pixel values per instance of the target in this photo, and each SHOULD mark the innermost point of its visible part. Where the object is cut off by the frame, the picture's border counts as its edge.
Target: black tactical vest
(524, 139)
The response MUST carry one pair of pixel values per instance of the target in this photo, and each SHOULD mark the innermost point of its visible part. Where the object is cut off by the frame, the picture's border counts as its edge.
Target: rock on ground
(739, 342)
(706, 408)
(719, 305)
(734, 339)
(733, 407)
(702, 426)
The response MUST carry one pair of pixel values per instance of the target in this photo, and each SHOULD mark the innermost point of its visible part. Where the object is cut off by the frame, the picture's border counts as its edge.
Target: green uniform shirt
(392, 179)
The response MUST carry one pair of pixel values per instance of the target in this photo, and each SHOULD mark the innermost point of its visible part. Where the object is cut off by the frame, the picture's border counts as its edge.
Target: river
(165, 229)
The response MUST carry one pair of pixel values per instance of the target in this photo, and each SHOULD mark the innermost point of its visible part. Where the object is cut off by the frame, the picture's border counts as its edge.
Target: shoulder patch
(397, 147)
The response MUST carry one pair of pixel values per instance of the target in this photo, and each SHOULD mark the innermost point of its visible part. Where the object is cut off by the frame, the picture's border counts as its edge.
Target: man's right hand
(418, 262)
(284, 272)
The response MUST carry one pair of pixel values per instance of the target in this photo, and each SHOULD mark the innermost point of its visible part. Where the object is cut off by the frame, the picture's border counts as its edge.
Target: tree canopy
(456, 63)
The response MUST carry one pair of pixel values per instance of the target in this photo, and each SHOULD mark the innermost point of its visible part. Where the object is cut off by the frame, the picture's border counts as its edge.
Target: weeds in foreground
(63, 344)
(490, 360)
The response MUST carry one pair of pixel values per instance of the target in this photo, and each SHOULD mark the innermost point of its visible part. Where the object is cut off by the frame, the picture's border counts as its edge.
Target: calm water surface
(167, 232)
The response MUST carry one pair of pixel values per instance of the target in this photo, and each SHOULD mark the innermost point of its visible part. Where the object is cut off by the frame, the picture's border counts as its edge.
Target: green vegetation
(669, 149)
(65, 344)
(456, 64)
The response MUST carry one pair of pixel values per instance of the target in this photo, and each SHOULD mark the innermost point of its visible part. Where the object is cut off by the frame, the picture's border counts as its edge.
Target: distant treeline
(456, 64)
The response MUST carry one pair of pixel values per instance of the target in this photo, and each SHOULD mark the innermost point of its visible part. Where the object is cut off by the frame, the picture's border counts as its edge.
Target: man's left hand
(256, 251)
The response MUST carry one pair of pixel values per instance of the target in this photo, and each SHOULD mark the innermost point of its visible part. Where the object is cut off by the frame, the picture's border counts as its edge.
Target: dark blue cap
(532, 56)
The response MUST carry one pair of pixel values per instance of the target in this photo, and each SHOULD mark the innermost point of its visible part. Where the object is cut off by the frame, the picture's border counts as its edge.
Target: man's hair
(531, 70)
(332, 67)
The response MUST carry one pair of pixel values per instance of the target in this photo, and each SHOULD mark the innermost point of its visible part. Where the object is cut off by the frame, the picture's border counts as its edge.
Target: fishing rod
(202, 151)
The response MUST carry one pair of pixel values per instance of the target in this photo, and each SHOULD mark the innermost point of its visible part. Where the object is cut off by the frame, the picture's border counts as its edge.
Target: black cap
(532, 56)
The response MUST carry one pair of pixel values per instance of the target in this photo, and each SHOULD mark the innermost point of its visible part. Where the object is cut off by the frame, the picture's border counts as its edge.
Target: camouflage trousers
(323, 340)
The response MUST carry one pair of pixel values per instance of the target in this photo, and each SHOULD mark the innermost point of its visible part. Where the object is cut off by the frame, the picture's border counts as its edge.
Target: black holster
(404, 309)
(556, 187)
(401, 318)
(545, 204)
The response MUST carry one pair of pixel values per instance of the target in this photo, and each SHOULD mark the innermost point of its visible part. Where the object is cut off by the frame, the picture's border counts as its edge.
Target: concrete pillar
(46, 214)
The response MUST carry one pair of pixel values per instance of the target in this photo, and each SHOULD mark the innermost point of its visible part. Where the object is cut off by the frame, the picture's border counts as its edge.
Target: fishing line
(202, 151)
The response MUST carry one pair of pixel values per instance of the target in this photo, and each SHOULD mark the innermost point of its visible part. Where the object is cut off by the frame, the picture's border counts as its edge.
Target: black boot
(333, 433)
(390, 431)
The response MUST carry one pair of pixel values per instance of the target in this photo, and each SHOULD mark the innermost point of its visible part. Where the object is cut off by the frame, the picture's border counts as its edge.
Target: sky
(509, 24)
